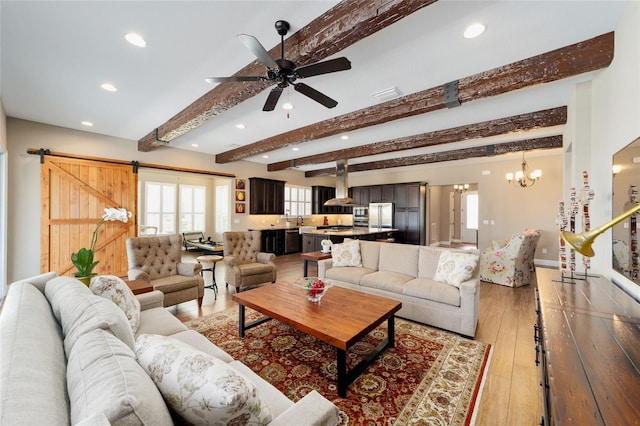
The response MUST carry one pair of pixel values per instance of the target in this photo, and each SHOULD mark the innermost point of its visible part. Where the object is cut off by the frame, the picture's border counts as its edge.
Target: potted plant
(83, 259)
(326, 245)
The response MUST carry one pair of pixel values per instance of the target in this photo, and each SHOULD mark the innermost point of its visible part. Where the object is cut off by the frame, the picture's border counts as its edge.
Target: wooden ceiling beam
(343, 25)
(502, 126)
(568, 61)
(548, 142)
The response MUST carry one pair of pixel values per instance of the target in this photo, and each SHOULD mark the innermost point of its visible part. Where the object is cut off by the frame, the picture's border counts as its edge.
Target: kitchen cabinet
(409, 207)
(319, 195)
(266, 196)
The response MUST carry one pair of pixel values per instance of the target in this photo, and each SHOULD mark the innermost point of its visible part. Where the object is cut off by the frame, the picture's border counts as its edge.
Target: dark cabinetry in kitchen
(272, 241)
(266, 196)
(319, 195)
(409, 207)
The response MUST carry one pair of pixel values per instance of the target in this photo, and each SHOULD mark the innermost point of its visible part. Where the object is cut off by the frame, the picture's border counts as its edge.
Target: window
(472, 211)
(297, 200)
(193, 200)
(222, 208)
(161, 207)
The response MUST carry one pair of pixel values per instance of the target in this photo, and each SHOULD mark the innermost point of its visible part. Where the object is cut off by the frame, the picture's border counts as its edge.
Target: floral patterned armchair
(510, 262)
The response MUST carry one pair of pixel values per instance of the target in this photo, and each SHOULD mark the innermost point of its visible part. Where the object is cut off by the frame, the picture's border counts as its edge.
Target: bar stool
(213, 259)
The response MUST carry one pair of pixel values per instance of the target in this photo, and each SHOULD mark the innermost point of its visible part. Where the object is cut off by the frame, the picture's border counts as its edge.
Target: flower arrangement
(83, 259)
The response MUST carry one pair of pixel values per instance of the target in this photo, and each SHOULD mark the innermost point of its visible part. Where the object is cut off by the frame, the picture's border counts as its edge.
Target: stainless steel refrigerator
(381, 215)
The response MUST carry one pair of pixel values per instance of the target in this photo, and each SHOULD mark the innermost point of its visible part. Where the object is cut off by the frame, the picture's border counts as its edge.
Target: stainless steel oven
(360, 217)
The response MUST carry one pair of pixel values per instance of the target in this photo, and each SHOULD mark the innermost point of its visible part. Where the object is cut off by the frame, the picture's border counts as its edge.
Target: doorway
(453, 216)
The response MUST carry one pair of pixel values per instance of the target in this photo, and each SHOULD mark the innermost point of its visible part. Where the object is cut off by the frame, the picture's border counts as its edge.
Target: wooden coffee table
(342, 318)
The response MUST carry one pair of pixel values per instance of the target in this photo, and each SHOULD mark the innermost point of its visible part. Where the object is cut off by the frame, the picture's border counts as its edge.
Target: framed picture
(240, 196)
(240, 207)
(241, 184)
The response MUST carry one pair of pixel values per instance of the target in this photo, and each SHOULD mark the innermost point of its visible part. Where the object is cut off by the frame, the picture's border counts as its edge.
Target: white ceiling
(55, 55)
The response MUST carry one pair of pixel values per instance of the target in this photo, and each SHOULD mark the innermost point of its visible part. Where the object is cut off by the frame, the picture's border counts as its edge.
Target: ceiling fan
(284, 72)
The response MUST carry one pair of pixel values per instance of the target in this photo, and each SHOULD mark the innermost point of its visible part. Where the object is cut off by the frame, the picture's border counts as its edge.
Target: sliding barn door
(74, 194)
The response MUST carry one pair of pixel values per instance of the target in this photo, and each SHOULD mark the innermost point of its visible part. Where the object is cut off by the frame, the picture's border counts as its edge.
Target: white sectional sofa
(69, 356)
(406, 273)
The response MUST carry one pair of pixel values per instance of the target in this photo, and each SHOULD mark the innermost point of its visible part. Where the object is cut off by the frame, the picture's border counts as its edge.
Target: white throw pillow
(103, 377)
(346, 254)
(455, 267)
(199, 387)
(113, 288)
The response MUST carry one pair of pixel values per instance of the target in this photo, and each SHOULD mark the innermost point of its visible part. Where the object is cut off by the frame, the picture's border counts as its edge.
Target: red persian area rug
(430, 377)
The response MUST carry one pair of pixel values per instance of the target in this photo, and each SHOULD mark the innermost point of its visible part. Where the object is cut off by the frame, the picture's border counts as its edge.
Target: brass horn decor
(582, 242)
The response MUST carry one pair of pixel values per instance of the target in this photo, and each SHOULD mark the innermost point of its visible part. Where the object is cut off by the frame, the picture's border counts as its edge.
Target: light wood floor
(511, 394)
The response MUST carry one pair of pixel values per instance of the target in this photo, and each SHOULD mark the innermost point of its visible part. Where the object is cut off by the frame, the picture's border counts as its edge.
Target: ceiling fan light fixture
(288, 106)
(136, 39)
(474, 30)
(109, 87)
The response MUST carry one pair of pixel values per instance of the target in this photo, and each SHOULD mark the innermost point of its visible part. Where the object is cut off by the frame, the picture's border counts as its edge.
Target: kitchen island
(311, 239)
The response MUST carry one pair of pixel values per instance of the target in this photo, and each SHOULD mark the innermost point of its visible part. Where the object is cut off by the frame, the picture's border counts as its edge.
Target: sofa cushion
(428, 261)
(351, 274)
(159, 321)
(454, 267)
(103, 376)
(174, 283)
(33, 363)
(370, 253)
(78, 311)
(401, 258)
(346, 254)
(198, 387)
(113, 288)
(386, 280)
(426, 288)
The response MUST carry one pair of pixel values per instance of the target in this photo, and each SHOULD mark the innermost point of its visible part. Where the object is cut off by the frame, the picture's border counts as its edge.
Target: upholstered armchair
(158, 261)
(510, 262)
(245, 265)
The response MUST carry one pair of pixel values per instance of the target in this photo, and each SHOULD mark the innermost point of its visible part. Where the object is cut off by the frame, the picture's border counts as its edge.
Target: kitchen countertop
(273, 228)
(350, 231)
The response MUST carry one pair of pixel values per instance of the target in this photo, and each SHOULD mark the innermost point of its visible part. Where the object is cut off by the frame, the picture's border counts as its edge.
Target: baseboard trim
(546, 263)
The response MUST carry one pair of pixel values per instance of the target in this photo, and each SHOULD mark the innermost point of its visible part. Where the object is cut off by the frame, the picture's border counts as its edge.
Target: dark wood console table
(588, 351)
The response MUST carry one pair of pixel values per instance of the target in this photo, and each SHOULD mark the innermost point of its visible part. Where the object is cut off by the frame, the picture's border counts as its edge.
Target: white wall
(611, 122)
(3, 200)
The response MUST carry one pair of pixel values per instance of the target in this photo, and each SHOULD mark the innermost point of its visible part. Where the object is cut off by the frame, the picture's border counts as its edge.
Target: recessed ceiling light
(87, 123)
(265, 156)
(109, 87)
(295, 148)
(344, 137)
(474, 30)
(195, 145)
(240, 126)
(135, 39)
(288, 106)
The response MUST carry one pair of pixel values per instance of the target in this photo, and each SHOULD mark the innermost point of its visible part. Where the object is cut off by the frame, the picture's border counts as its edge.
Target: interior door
(74, 194)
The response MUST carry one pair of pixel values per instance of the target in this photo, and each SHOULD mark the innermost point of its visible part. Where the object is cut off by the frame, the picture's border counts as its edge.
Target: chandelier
(522, 177)
(461, 188)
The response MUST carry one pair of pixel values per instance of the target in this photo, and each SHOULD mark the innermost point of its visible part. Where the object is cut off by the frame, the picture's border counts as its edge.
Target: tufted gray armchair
(158, 260)
(245, 265)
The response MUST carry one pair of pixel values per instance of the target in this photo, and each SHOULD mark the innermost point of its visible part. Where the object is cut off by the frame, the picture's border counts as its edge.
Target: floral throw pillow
(198, 387)
(346, 254)
(113, 288)
(455, 267)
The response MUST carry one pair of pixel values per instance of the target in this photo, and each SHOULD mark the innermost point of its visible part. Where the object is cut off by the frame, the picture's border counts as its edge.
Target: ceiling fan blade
(258, 50)
(332, 65)
(230, 79)
(272, 99)
(315, 95)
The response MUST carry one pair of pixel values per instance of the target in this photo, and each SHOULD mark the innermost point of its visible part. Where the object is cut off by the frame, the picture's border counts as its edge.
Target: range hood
(342, 189)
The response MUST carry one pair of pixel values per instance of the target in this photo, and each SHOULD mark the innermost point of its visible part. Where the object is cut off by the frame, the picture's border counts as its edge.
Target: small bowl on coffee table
(314, 287)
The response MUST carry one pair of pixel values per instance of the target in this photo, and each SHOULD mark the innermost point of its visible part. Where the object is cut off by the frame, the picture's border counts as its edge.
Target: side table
(139, 286)
(313, 256)
(213, 259)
